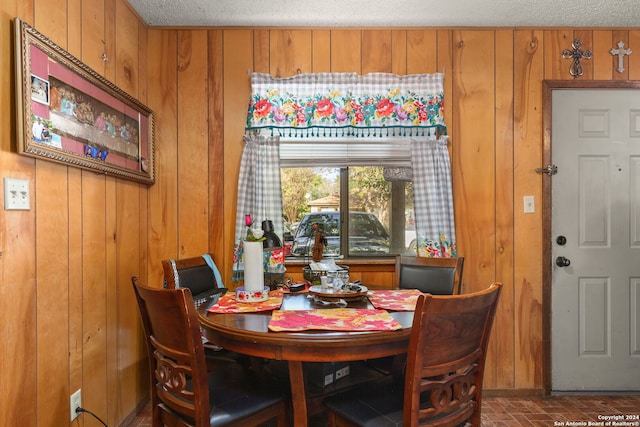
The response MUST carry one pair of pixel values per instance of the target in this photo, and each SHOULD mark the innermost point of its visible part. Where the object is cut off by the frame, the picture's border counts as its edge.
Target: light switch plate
(529, 204)
(16, 194)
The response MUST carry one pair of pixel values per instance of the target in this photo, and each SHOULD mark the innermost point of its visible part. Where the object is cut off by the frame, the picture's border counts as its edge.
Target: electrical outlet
(16, 194)
(76, 402)
(343, 372)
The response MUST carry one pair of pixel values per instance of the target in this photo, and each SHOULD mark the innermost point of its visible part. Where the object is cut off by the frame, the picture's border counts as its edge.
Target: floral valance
(347, 105)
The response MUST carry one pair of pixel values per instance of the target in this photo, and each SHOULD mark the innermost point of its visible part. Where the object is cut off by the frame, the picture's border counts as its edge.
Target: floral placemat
(395, 299)
(228, 304)
(333, 319)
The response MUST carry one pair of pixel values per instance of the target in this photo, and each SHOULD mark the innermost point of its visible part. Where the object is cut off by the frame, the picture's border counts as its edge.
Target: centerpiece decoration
(319, 242)
(254, 289)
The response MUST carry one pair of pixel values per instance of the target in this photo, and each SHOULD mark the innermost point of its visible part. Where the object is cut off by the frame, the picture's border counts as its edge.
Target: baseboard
(512, 392)
(595, 392)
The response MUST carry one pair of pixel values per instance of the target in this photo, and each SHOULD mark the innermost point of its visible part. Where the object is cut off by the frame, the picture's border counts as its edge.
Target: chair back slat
(436, 276)
(447, 352)
(193, 273)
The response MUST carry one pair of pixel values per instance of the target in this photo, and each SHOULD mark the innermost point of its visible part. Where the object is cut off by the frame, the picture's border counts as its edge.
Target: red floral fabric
(333, 319)
(228, 304)
(395, 300)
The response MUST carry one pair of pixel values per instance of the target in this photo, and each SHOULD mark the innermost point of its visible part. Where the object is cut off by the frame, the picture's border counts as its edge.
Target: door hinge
(549, 170)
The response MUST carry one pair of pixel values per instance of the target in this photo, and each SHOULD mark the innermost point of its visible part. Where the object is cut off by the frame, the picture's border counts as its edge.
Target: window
(323, 181)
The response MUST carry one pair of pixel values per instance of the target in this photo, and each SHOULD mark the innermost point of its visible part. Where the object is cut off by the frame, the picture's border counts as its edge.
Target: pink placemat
(333, 319)
(228, 304)
(395, 299)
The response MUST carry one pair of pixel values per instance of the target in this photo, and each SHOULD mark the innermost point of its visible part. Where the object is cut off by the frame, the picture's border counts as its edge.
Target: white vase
(253, 266)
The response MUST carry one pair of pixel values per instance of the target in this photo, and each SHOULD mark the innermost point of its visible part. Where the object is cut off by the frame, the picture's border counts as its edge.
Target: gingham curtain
(433, 197)
(335, 105)
(259, 188)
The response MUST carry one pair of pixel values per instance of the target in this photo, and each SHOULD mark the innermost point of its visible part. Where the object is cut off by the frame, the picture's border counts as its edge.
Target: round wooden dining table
(248, 333)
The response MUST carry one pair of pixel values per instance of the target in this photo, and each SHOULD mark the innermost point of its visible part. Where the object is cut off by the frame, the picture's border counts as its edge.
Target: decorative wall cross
(576, 54)
(621, 52)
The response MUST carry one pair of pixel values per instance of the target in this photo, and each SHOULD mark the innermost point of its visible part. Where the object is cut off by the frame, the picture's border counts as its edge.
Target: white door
(595, 322)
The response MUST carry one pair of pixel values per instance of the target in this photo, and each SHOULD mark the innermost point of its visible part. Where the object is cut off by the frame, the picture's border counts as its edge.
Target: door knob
(562, 262)
(561, 240)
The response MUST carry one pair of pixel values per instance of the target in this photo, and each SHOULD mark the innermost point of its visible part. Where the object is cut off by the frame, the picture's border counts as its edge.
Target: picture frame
(68, 113)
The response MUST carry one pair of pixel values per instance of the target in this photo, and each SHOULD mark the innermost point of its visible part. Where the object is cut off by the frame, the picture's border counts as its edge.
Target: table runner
(228, 304)
(395, 299)
(333, 319)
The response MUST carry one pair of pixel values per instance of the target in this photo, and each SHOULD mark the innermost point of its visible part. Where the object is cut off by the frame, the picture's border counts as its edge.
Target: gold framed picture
(70, 114)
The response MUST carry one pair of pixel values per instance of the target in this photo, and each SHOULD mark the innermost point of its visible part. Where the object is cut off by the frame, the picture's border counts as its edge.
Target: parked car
(367, 236)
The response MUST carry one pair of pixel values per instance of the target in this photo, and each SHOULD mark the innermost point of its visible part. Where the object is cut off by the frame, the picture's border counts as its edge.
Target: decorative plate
(348, 292)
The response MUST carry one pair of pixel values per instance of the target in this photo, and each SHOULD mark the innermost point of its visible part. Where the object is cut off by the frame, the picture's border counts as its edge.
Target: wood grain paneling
(93, 35)
(126, 48)
(261, 48)
(321, 55)
(602, 59)
(125, 345)
(63, 255)
(162, 98)
(444, 64)
(74, 38)
(109, 48)
(193, 144)
(18, 359)
(422, 52)
(115, 352)
(474, 157)
(632, 63)
(376, 51)
(500, 359)
(73, 254)
(289, 52)
(346, 51)
(217, 178)
(94, 291)
(74, 192)
(399, 52)
(238, 57)
(50, 18)
(555, 41)
(52, 323)
(527, 304)
(587, 38)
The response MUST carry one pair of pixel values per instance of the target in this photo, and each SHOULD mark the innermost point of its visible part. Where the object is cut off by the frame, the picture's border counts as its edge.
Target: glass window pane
(369, 203)
(381, 212)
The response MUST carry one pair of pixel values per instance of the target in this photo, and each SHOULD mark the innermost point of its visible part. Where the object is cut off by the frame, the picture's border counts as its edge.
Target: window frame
(342, 153)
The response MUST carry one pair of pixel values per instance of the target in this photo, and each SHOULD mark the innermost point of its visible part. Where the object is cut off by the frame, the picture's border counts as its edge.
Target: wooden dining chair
(436, 276)
(200, 274)
(442, 383)
(183, 391)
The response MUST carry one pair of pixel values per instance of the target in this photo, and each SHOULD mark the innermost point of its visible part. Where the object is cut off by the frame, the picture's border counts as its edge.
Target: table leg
(298, 395)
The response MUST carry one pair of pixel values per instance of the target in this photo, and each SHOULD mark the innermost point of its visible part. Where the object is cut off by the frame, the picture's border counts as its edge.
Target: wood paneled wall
(493, 96)
(68, 316)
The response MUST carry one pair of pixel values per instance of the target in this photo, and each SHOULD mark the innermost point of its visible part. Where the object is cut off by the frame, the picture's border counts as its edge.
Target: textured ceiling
(390, 13)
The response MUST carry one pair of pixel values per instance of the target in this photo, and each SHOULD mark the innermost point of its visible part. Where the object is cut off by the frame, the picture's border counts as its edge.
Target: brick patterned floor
(567, 410)
(562, 410)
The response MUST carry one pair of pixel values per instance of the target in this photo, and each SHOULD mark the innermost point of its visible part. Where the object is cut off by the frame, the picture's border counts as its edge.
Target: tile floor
(564, 410)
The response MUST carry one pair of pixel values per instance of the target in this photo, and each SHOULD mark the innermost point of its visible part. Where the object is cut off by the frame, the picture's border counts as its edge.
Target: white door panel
(596, 206)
